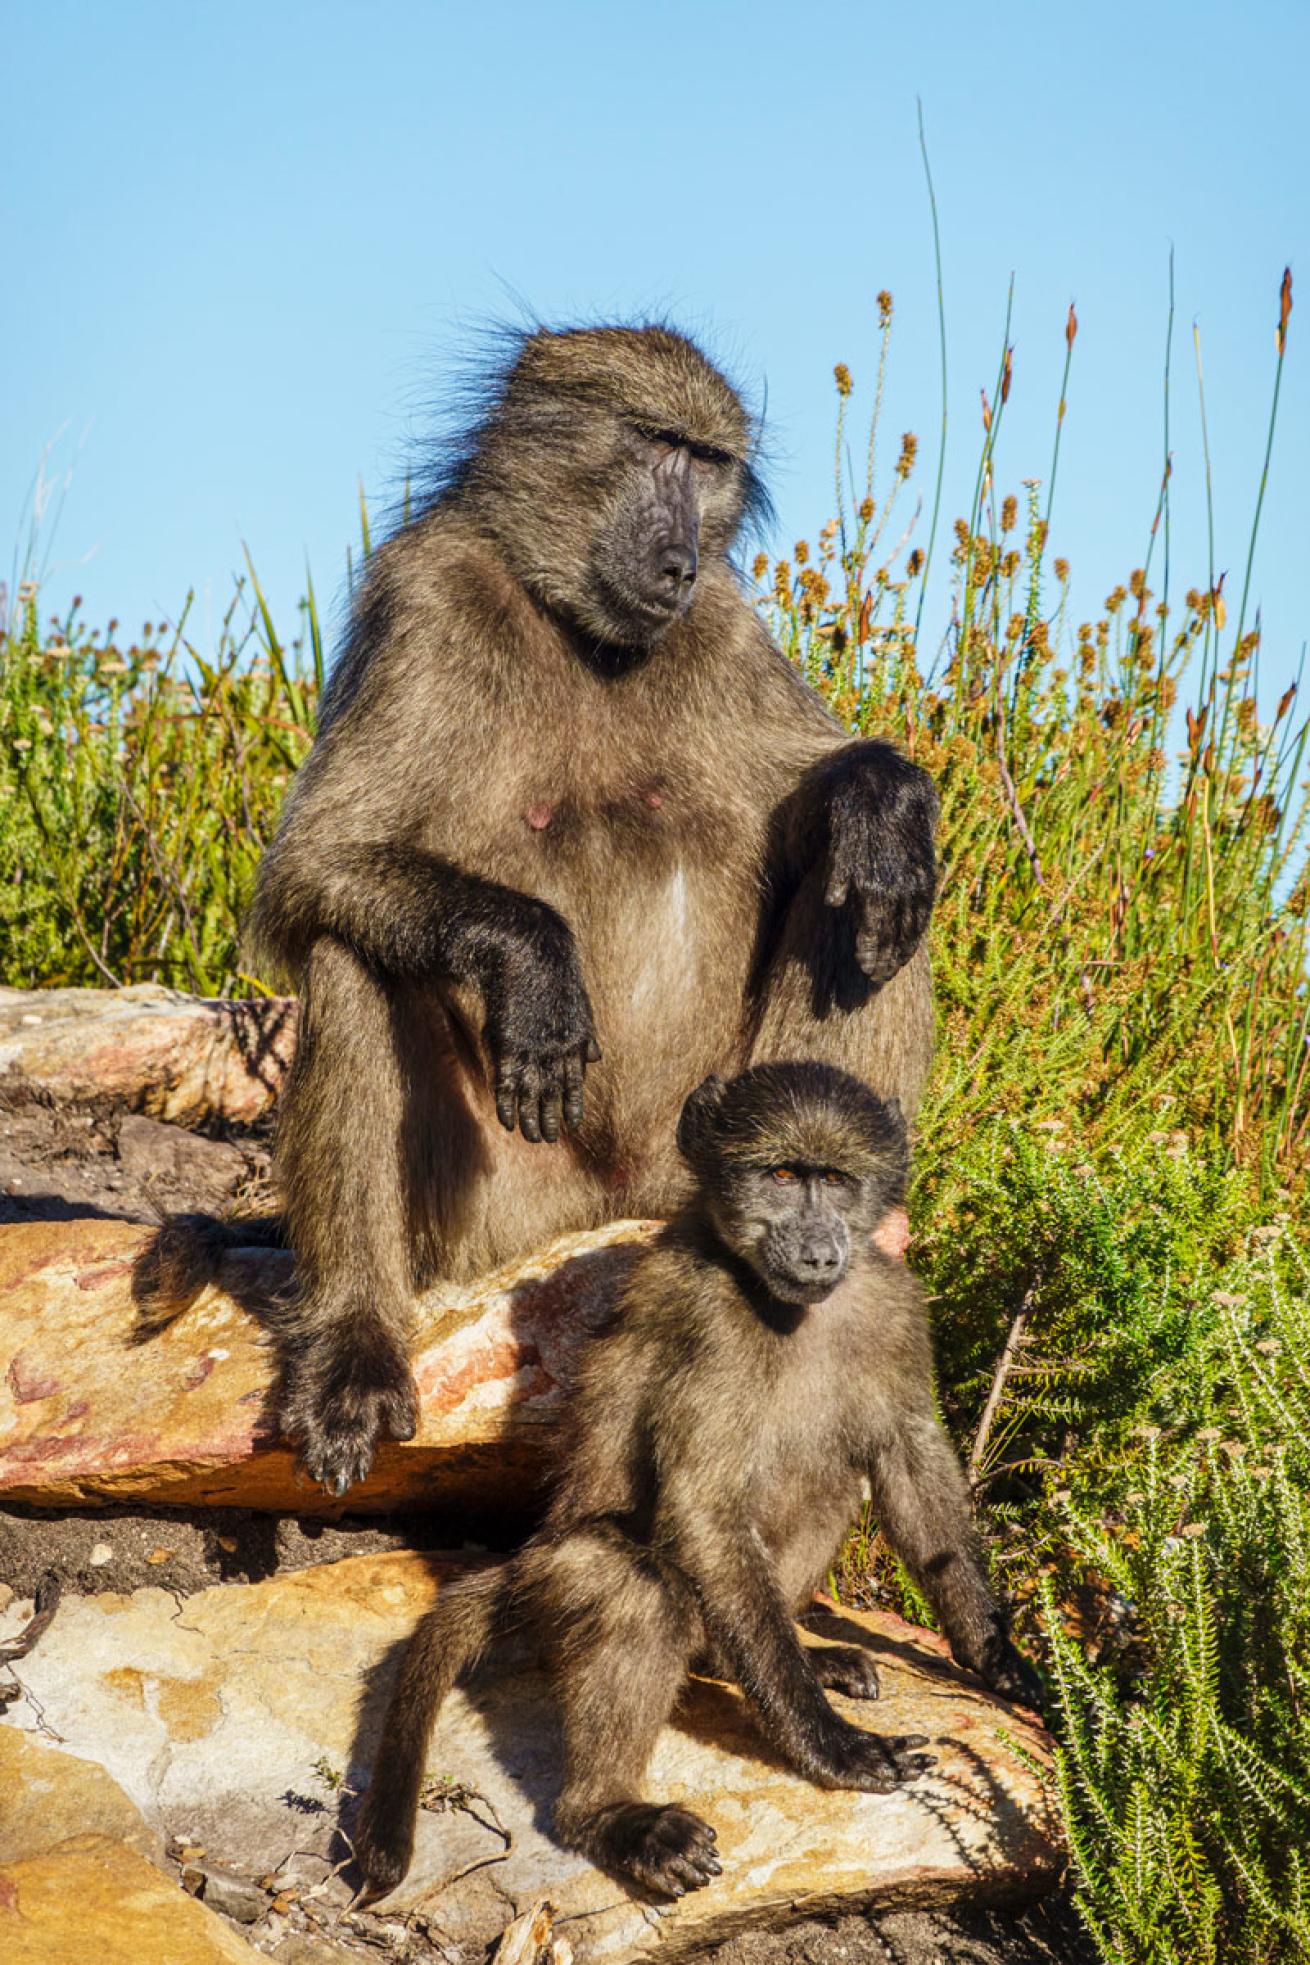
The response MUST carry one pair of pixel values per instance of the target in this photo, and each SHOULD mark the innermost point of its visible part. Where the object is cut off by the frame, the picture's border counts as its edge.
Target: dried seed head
(1009, 513)
(1007, 375)
(842, 377)
(909, 451)
(1071, 326)
(1062, 570)
(761, 566)
(914, 564)
(884, 309)
(1284, 310)
(866, 509)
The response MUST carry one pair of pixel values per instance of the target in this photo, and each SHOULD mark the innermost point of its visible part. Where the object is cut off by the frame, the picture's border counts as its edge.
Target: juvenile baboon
(765, 1360)
(566, 795)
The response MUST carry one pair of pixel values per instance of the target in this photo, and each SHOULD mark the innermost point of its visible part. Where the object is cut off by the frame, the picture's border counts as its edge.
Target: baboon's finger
(507, 1101)
(573, 1099)
(552, 1113)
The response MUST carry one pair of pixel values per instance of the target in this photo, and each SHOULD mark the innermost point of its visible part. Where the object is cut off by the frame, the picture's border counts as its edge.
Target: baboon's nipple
(539, 815)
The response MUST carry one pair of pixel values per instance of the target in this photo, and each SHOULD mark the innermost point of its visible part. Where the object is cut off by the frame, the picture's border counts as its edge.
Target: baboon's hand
(881, 859)
(1005, 1670)
(847, 1757)
(539, 1028)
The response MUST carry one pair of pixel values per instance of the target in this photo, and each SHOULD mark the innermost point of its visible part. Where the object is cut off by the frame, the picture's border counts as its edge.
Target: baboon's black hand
(1005, 1669)
(539, 1026)
(881, 859)
(846, 1757)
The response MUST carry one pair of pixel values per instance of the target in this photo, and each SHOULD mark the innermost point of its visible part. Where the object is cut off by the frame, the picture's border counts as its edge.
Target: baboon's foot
(846, 1668)
(383, 1842)
(666, 1850)
(343, 1395)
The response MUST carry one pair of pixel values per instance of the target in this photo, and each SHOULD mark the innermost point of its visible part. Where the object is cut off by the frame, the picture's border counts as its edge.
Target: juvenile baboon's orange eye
(784, 1173)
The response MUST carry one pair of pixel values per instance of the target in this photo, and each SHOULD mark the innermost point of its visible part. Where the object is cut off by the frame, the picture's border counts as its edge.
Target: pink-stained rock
(146, 1048)
(88, 1415)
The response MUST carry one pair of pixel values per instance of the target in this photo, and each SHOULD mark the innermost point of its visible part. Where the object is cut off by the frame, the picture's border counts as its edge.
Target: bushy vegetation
(1111, 1204)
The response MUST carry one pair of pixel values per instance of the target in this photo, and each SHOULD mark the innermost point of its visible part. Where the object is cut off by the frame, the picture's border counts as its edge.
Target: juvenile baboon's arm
(921, 1501)
(731, 1573)
(865, 815)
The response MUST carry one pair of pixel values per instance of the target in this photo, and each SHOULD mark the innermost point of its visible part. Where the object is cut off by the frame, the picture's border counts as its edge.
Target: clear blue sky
(243, 242)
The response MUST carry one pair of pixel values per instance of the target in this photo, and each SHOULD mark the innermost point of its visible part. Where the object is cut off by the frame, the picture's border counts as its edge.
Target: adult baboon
(566, 794)
(766, 1358)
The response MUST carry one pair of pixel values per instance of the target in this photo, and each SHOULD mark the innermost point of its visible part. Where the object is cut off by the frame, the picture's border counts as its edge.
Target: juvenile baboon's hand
(848, 1757)
(881, 859)
(1004, 1669)
(539, 1029)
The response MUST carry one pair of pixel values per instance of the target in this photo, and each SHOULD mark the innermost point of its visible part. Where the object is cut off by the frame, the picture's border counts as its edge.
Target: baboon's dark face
(615, 468)
(793, 1225)
(665, 502)
(798, 1163)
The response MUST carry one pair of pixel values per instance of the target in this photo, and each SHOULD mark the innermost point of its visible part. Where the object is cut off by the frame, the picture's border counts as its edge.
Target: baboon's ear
(697, 1121)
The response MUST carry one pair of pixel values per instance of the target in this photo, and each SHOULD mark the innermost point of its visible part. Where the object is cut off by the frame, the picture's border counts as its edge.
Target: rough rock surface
(86, 1414)
(149, 1049)
(233, 1719)
(49, 1796)
(94, 1898)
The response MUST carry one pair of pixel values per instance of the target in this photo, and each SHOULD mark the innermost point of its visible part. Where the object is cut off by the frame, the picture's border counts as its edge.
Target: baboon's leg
(812, 1001)
(628, 1630)
(346, 1378)
(447, 1641)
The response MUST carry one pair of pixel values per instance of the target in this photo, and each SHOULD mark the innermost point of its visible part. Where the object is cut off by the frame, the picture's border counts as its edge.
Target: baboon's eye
(832, 1178)
(783, 1173)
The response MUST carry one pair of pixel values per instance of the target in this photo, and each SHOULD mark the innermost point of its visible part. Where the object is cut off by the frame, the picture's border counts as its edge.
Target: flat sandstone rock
(148, 1049)
(87, 1415)
(94, 1898)
(232, 1720)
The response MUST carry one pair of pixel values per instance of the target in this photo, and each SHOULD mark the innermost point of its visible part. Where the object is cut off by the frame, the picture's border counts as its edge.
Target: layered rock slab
(92, 1897)
(234, 1718)
(147, 1049)
(88, 1414)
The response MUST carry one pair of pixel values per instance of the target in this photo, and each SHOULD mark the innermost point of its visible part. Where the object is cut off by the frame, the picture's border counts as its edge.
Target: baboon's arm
(865, 816)
(921, 1500)
(407, 913)
(730, 1571)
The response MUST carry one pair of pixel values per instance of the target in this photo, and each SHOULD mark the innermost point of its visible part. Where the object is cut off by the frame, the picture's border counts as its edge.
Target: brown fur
(719, 1438)
(667, 800)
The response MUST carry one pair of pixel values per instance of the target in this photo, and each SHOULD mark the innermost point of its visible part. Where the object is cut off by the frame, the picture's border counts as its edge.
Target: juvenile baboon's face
(797, 1165)
(792, 1224)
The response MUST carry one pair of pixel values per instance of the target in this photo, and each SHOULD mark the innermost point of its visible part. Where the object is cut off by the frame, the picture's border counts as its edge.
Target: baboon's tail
(447, 1642)
(183, 1256)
